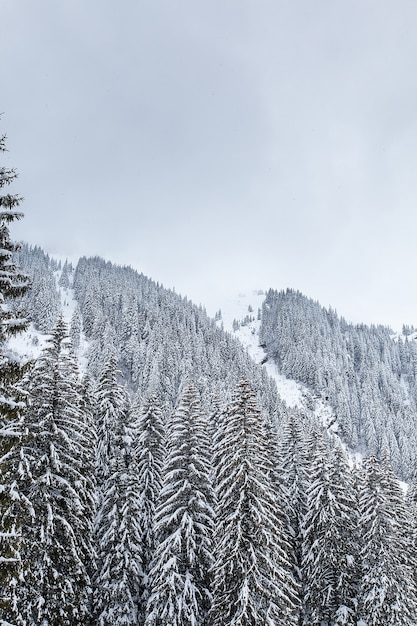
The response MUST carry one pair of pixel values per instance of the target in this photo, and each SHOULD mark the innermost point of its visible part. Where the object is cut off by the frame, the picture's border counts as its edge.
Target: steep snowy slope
(241, 316)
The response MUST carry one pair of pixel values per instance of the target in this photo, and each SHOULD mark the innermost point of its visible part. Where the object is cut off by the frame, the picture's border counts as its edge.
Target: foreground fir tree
(111, 409)
(387, 593)
(329, 545)
(294, 472)
(13, 284)
(150, 453)
(57, 531)
(118, 531)
(253, 582)
(412, 536)
(180, 573)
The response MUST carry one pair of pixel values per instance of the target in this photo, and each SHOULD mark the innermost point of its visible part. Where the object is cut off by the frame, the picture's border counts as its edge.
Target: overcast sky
(222, 145)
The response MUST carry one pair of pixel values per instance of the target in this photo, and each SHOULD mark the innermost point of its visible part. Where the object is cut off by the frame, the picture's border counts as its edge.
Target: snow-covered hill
(241, 316)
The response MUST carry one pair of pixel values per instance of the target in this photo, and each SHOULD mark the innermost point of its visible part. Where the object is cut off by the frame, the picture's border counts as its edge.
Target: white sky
(222, 145)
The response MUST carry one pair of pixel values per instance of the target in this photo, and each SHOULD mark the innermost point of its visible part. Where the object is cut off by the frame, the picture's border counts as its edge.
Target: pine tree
(13, 285)
(118, 532)
(253, 583)
(75, 329)
(46, 304)
(411, 502)
(57, 530)
(111, 409)
(180, 573)
(150, 453)
(294, 466)
(387, 593)
(89, 493)
(64, 278)
(329, 546)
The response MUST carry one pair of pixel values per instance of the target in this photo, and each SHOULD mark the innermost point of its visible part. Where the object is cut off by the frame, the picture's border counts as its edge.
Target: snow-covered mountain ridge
(359, 382)
(239, 316)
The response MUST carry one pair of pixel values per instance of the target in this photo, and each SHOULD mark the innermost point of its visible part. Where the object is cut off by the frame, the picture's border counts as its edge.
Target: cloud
(209, 144)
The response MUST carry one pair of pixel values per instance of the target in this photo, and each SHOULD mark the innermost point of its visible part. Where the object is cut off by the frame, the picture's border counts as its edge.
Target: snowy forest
(152, 474)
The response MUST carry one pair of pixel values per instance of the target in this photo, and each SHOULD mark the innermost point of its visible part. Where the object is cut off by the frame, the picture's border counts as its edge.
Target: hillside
(162, 467)
(359, 380)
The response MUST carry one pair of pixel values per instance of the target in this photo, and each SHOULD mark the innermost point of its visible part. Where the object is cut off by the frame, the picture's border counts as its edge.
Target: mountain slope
(368, 376)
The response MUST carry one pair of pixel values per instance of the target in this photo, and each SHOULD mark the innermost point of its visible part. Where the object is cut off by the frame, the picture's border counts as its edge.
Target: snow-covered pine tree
(88, 462)
(180, 573)
(400, 509)
(411, 502)
(294, 472)
(111, 408)
(57, 530)
(13, 284)
(64, 280)
(118, 530)
(253, 582)
(150, 452)
(45, 302)
(387, 593)
(329, 545)
(75, 329)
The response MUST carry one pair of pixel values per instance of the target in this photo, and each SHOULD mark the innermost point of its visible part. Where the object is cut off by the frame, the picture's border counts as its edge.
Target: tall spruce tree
(329, 545)
(13, 284)
(118, 533)
(116, 529)
(294, 471)
(111, 409)
(253, 582)
(180, 573)
(387, 593)
(150, 452)
(57, 530)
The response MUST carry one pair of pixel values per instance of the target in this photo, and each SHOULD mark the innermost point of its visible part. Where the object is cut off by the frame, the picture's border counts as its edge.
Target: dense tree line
(136, 514)
(159, 337)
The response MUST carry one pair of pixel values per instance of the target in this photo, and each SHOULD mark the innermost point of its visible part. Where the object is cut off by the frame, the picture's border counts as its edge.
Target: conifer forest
(151, 474)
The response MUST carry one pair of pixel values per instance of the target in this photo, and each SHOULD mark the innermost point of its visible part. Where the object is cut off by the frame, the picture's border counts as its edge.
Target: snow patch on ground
(28, 345)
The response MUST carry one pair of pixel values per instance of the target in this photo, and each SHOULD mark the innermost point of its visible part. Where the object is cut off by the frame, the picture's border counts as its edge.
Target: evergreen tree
(150, 453)
(13, 285)
(294, 474)
(88, 463)
(45, 302)
(253, 583)
(180, 573)
(118, 532)
(411, 502)
(57, 530)
(64, 280)
(329, 546)
(387, 593)
(111, 409)
(75, 329)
